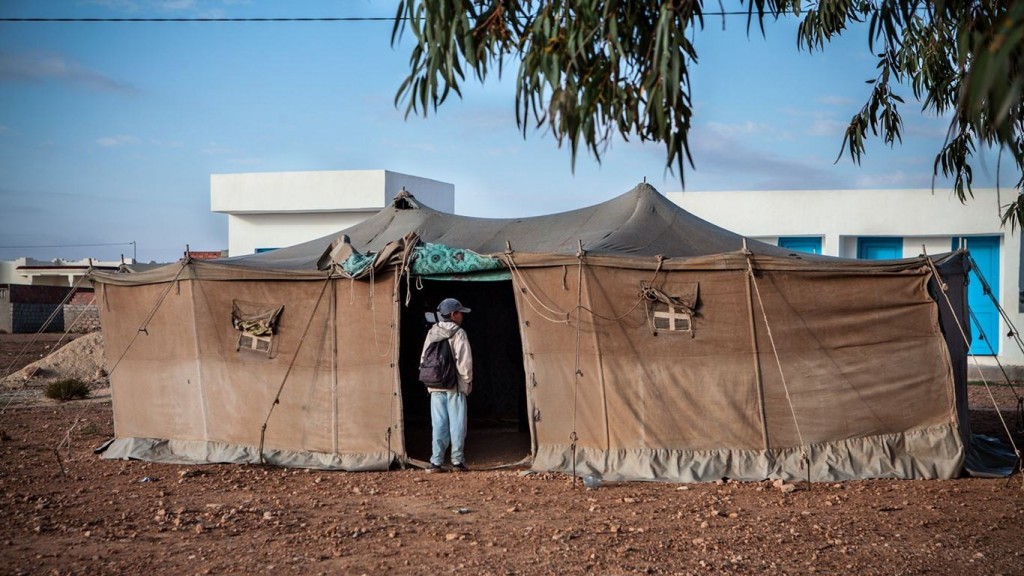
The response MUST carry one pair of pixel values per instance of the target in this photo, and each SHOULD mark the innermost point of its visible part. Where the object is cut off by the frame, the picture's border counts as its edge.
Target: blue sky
(109, 131)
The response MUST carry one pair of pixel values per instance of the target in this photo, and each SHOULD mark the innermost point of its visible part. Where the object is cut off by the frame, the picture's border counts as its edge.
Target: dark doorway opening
(498, 426)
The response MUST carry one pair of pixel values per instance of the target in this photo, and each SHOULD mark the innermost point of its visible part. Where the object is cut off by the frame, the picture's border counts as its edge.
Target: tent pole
(199, 361)
(755, 353)
(573, 437)
(332, 322)
(397, 407)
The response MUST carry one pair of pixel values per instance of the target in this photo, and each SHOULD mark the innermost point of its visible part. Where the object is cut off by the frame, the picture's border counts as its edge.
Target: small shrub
(67, 389)
(92, 429)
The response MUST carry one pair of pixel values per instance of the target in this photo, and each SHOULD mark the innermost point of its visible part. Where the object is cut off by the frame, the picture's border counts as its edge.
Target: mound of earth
(81, 358)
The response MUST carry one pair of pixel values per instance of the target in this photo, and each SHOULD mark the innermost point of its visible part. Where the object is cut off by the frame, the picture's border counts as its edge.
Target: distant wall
(81, 318)
(32, 306)
(5, 308)
(25, 309)
(29, 318)
(81, 314)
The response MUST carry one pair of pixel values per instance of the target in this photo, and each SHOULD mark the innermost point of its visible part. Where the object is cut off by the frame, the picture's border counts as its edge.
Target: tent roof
(636, 227)
(639, 223)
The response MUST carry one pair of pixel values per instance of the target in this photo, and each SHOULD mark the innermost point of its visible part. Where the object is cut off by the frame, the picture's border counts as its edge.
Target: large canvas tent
(635, 340)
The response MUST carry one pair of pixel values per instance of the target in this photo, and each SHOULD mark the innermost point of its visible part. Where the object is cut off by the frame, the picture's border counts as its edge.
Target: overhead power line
(70, 245)
(274, 19)
(299, 19)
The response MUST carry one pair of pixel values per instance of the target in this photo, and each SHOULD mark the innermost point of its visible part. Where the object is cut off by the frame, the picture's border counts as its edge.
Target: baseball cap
(449, 305)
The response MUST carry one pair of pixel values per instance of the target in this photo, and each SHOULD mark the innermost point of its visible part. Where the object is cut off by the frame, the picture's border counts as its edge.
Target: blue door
(880, 248)
(809, 244)
(985, 252)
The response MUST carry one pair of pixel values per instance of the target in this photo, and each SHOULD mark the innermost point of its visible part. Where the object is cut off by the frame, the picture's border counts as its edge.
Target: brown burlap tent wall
(654, 346)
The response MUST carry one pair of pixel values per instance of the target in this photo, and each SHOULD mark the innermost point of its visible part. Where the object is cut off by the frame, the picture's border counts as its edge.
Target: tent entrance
(498, 426)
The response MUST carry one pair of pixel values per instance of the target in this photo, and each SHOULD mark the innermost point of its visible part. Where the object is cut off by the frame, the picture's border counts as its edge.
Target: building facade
(271, 210)
(51, 296)
(882, 224)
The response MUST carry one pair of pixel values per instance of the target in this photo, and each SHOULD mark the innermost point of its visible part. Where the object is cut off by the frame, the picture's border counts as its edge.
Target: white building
(56, 272)
(275, 209)
(889, 224)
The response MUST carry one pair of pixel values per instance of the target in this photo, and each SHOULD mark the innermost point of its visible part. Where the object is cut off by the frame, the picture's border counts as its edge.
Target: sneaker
(433, 468)
(460, 467)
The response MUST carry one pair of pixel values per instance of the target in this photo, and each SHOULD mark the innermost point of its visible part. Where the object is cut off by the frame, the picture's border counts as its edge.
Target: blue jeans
(448, 422)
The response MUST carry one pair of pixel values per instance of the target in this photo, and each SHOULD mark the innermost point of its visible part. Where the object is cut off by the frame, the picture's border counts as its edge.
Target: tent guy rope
(149, 317)
(66, 441)
(55, 347)
(291, 364)
(805, 460)
(46, 324)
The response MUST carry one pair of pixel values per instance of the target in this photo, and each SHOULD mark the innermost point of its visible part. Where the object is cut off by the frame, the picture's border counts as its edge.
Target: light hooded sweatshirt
(460, 348)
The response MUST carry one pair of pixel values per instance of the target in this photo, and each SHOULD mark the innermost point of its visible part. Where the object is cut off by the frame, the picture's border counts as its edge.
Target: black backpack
(437, 369)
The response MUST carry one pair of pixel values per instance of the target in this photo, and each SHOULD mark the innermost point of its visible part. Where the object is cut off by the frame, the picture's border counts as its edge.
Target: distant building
(48, 295)
(207, 254)
(880, 224)
(54, 272)
(269, 210)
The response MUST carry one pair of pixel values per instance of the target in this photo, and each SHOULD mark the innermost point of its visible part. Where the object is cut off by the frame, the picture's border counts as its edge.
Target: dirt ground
(63, 510)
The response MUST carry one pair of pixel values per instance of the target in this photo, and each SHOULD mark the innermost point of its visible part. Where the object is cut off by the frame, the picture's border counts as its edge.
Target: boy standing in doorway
(448, 408)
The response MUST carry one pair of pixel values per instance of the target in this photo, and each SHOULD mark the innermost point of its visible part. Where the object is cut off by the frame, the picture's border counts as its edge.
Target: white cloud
(816, 122)
(843, 101)
(47, 66)
(718, 153)
(930, 128)
(167, 143)
(118, 140)
(421, 145)
(122, 5)
(741, 129)
(826, 127)
(176, 5)
(246, 161)
(215, 149)
(213, 13)
(898, 179)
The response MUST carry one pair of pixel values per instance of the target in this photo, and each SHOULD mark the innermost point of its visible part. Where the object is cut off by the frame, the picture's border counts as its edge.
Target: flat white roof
(320, 191)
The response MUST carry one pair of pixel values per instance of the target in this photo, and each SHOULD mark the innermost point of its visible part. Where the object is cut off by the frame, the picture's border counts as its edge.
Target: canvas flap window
(255, 318)
(256, 324)
(670, 308)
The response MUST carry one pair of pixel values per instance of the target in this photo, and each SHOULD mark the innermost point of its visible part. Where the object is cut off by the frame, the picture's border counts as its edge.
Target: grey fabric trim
(203, 452)
(932, 453)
